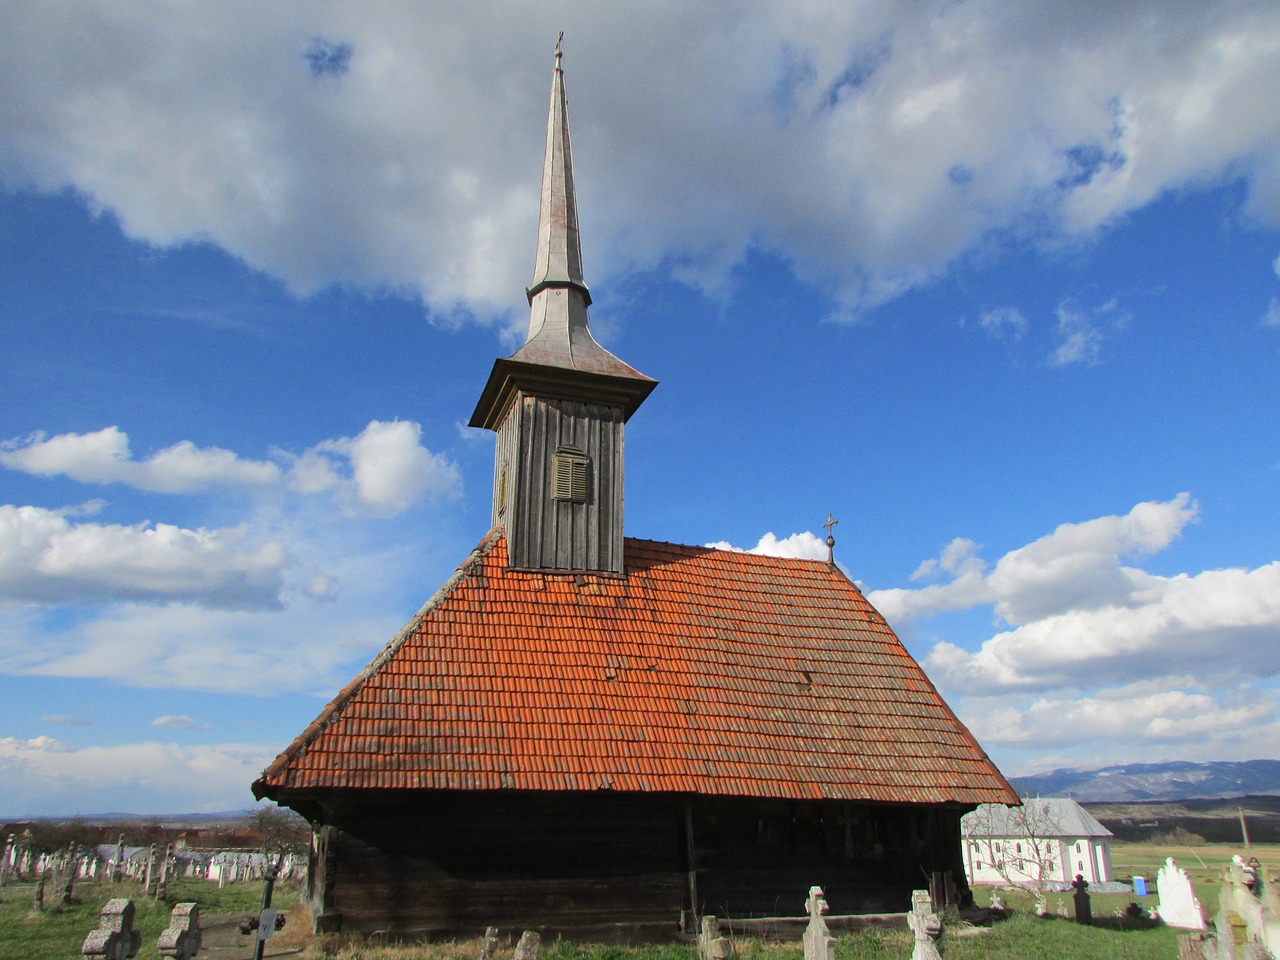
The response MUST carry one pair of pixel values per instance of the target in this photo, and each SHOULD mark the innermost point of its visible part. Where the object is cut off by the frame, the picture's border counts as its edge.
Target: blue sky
(997, 285)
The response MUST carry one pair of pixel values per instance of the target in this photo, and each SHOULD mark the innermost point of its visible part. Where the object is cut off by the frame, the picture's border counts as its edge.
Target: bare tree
(282, 831)
(1023, 845)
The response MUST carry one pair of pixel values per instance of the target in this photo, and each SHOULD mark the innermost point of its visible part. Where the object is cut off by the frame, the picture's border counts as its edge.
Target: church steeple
(558, 404)
(559, 259)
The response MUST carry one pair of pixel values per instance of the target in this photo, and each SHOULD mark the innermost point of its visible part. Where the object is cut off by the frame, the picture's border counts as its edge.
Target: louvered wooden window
(570, 475)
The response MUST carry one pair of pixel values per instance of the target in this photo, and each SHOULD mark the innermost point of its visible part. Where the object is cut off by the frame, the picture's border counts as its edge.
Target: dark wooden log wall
(452, 864)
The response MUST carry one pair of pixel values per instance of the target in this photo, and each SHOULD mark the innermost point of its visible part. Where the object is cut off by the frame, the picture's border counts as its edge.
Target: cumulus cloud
(104, 457)
(1154, 716)
(382, 471)
(799, 546)
(1078, 566)
(44, 775)
(46, 558)
(305, 139)
(1076, 609)
(1219, 623)
(390, 469)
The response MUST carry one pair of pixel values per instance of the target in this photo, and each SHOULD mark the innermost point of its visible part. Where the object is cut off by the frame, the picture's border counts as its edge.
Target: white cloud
(104, 457)
(172, 722)
(799, 546)
(213, 120)
(44, 775)
(1219, 623)
(1004, 323)
(1272, 317)
(45, 558)
(391, 470)
(1078, 566)
(1081, 617)
(382, 471)
(1148, 716)
(1082, 332)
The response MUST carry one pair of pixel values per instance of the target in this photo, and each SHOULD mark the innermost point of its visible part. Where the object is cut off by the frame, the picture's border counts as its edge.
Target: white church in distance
(1046, 840)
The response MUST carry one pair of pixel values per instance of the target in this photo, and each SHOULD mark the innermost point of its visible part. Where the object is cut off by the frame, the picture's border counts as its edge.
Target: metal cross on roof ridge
(831, 540)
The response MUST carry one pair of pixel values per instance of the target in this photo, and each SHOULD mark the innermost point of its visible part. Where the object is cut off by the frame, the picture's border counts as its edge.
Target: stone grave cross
(115, 938)
(818, 942)
(926, 926)
(181, 939)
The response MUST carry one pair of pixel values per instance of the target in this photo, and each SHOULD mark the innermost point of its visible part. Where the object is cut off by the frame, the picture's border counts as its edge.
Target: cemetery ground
(57, 932)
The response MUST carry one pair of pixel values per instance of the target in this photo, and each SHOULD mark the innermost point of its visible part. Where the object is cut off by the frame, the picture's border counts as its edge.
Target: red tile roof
(700, 671)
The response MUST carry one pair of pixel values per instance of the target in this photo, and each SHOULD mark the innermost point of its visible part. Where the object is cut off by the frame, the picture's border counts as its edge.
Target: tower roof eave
(604, 382)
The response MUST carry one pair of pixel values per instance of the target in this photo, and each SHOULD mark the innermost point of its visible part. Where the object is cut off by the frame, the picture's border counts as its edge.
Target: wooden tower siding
(544, 533)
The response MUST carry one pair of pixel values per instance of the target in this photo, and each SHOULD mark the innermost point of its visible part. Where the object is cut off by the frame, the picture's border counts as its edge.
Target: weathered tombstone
(1178, 904)
(712, 946)
(1084, 909)
(527, 948)
(115, 938)
(926, 926)
(818, 942)
(489, 943)
(38, 903)
(997, 902)
(181, 939)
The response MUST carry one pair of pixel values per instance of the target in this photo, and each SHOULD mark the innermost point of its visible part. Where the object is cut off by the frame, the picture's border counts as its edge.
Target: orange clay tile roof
(700, 671)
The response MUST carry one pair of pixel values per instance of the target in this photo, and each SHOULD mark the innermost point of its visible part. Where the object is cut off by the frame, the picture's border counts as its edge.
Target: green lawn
(1204, 863)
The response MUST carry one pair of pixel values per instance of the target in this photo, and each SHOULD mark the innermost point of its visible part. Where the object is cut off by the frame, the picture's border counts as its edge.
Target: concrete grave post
(1178, 904)
(181, 939)
(712, 946)
(926, 926)
(527, 948)
(818, 942)
(115, 938)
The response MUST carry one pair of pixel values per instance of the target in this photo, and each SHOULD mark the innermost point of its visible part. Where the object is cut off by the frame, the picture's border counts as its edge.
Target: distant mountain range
(1137, 782)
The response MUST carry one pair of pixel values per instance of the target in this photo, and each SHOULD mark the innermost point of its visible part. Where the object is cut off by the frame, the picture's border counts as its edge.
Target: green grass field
(57, 932)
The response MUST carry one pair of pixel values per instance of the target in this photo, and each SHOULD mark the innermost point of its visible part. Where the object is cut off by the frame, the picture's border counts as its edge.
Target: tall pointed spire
(559, 259)
(559, 403)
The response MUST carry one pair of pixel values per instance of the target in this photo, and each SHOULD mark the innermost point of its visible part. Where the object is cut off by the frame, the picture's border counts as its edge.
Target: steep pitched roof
(700, 671)
(1041, 817)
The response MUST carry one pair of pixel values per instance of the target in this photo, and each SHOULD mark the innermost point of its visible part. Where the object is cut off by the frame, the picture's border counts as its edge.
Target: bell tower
(559, 403)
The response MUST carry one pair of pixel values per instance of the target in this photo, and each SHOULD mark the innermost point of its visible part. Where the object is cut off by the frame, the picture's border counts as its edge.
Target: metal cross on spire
(559, 53)
(831, 540)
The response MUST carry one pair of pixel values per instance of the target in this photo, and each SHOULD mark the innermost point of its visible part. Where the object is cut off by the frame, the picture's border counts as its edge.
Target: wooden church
(583, 730)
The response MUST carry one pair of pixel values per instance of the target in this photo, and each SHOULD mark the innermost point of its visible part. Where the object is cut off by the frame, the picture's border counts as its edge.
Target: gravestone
(489, 943)
(1178, 904)
(818, 942)
(115, 938)
(1084, 909)
(527, 948)
(926, 926)
(712, 946)
(181, 939)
